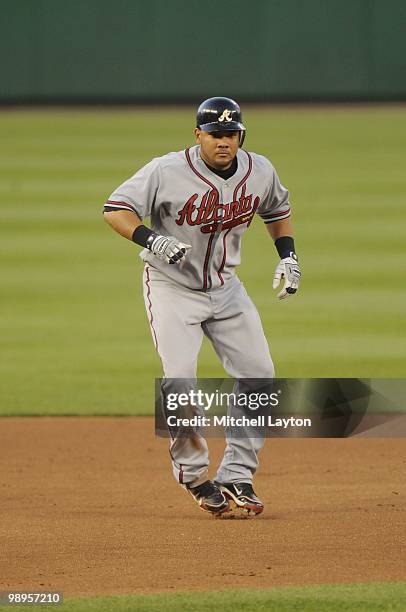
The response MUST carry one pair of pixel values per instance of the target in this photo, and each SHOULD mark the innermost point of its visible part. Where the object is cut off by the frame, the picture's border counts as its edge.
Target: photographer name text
(243, 421)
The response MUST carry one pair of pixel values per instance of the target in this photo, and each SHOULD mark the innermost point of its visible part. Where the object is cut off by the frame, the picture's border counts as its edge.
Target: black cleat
(243, 495)
(209, 498)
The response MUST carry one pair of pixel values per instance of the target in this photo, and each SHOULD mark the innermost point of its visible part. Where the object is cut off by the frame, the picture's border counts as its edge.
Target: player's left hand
(287, 268)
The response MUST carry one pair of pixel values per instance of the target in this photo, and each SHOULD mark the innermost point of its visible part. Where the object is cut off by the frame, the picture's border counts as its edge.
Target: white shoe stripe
(237, 500)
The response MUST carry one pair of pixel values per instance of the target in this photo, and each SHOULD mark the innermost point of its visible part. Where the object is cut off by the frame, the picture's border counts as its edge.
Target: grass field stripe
(71, 253)
(321, 597)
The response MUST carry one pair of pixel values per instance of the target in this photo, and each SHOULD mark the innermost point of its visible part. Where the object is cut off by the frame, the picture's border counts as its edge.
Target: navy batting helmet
(220, 115)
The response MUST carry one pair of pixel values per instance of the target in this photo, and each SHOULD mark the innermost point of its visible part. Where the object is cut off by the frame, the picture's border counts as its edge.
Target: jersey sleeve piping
(117, 205)
(278, 216)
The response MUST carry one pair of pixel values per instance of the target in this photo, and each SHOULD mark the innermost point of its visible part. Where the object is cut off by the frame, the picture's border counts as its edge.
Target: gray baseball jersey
(185, 199)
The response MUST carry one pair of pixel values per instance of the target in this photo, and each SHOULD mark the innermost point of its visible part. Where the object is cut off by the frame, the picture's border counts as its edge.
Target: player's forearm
(278, 229)
(282, 234)
(124, 222)
(129, 225)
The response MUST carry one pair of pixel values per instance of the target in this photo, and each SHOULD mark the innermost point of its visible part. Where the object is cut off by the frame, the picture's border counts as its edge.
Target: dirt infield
(89, 506)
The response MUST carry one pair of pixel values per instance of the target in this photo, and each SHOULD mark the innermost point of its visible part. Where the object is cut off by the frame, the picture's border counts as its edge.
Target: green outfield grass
(384, 596)
(74, 333)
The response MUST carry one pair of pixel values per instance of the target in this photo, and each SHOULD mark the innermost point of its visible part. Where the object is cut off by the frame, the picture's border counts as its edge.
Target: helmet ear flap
(242, 137)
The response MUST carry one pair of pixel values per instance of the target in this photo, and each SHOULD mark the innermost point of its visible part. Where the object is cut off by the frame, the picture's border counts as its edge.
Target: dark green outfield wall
(138, 50)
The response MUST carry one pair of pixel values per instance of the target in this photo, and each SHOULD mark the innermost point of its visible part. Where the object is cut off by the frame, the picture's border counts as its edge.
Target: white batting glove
(287, 268)
(169, 249)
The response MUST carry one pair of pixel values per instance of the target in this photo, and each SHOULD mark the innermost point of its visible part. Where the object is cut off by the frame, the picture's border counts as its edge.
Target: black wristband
(143, 236)
(285, 245)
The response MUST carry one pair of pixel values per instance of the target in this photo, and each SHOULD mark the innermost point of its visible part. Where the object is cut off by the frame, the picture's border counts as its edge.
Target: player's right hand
(169, 249)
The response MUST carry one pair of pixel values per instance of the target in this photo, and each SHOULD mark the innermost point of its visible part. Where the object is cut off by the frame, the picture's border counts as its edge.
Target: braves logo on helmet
(226, 116)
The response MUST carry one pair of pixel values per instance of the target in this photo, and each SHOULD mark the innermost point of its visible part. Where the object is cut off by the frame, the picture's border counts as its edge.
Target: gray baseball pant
(179, 317)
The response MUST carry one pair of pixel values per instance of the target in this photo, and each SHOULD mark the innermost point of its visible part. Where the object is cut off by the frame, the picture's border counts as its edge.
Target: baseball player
(200, 202)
